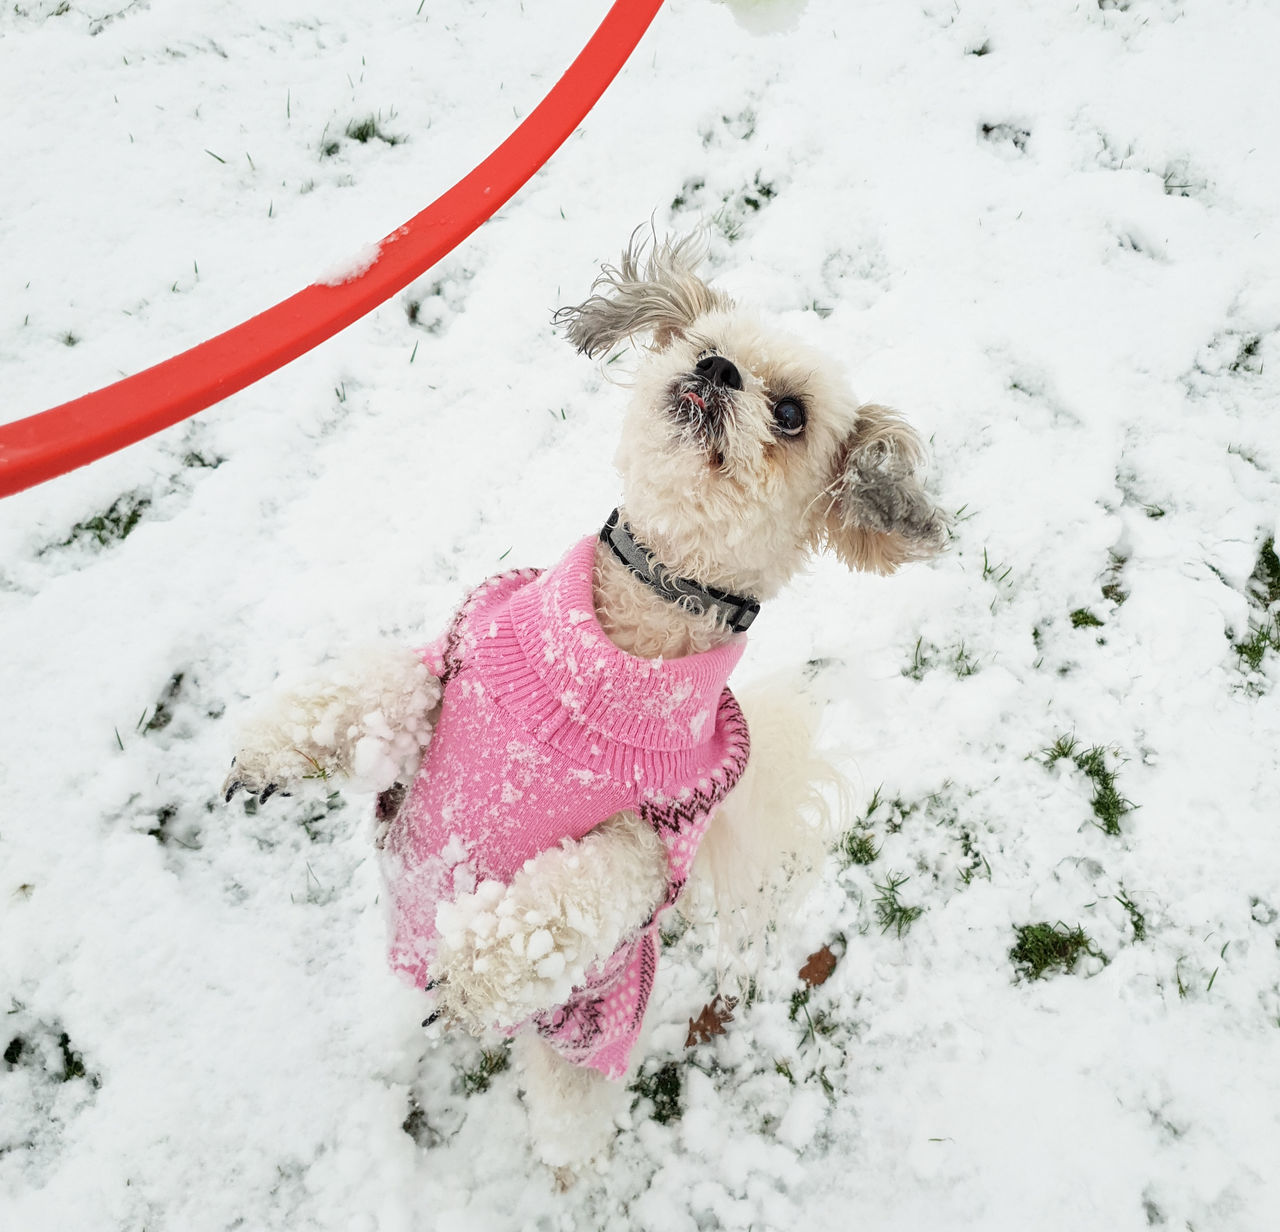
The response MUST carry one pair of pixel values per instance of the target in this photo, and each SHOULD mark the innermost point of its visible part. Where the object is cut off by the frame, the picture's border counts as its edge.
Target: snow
(352, 268)
(1045, 232)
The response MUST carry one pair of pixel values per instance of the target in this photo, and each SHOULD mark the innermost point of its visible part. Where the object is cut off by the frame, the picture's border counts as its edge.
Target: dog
(549, 769)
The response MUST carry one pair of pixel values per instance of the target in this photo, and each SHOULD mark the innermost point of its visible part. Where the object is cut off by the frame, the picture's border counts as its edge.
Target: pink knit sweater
(546, 730)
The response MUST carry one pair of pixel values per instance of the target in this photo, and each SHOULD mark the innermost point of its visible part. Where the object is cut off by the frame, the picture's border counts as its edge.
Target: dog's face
(731, 439)
(743, 449)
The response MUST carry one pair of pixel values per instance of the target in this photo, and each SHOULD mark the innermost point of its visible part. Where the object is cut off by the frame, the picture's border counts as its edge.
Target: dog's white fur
(769, 838)
(718, 490)
(367, 719)
(507, 951)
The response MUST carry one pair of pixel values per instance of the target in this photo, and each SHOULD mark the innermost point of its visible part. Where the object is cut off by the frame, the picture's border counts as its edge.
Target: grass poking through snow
(1263, 590)
(1108, 805)
(926, 656)
(662, 1088)
(116, 524)
(1137, 920)
(476, 1080)
(890, 911)
(858, 847)
(1045, 947)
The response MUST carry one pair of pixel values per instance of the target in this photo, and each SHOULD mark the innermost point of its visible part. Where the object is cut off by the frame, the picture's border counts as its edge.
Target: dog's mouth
(703, 412)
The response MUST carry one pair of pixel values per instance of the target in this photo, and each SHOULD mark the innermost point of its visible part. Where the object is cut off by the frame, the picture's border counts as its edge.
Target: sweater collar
(657, 704)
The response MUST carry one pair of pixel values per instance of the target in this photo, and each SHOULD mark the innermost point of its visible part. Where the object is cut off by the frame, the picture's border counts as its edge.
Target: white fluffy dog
(549, 769)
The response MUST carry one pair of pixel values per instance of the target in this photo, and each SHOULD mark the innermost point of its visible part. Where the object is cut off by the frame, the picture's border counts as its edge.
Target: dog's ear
(654, 292)
(879, 515)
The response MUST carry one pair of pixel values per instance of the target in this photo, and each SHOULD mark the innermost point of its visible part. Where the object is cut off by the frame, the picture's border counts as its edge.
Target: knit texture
(546, 730)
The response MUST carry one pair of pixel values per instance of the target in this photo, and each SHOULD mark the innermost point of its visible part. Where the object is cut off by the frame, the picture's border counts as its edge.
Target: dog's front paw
(280, 747)
(367, 719)
(263, 774)
(499, 961)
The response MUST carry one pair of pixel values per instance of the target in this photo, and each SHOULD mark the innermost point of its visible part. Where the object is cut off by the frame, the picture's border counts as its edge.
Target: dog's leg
(506, 951)
(572, 1110)
(766, 844)
(369, 719)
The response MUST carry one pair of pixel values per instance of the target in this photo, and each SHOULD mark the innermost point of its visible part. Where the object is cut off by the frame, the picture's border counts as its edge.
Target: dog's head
(743, 450)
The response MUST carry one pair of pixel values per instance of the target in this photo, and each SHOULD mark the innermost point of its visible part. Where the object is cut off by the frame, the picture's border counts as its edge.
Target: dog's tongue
(697, 401)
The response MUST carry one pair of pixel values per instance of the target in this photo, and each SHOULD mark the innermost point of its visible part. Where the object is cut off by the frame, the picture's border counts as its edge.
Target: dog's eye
(788, 417)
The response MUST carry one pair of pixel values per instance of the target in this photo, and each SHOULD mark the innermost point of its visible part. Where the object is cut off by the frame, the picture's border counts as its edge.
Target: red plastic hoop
(53, 442)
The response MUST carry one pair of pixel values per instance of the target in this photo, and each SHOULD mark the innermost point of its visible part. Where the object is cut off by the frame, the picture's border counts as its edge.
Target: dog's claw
(430, 1018)
(267, 792)
(232, 789)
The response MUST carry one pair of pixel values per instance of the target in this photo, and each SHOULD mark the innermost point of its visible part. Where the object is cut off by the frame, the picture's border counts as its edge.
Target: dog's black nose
(719, 371)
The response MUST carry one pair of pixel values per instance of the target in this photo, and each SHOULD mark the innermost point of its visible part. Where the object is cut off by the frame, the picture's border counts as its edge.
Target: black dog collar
(738, 611)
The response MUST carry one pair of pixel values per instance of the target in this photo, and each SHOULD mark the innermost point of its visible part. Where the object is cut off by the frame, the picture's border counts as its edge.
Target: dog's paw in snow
(574, 1111)
(507, 951)
(262, 774)
(499, 961)
(368, 720)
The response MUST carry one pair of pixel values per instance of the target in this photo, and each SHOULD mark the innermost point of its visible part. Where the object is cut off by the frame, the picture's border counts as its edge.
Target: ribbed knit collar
(651, 704)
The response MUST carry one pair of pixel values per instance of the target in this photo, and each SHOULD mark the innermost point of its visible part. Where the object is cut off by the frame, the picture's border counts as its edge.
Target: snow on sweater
(546, 730)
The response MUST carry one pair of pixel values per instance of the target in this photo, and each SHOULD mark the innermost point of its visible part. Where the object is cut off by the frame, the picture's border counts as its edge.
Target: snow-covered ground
(1044, 229)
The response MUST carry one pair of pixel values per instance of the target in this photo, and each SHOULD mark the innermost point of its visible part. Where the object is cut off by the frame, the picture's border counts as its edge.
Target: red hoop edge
(53, 442)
